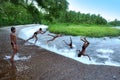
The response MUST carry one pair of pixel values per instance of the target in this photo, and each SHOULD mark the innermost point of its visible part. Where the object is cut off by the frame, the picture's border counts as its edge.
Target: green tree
(12, 14)
(115, 22)
(36, 15)
(53, 8)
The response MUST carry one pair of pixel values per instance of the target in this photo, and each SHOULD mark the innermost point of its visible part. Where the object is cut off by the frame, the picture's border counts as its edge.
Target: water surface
(103, 51)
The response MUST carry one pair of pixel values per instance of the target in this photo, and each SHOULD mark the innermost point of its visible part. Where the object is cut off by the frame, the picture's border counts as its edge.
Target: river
(103, 51)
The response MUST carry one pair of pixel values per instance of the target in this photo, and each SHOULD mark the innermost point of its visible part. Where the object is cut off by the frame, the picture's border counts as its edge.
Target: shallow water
(10, 70)
(18, 57)
(103, 51)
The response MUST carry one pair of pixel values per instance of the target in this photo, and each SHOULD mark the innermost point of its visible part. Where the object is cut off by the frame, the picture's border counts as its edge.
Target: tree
(36, 15)
(53, 8)
(12, 14)
(115, 22)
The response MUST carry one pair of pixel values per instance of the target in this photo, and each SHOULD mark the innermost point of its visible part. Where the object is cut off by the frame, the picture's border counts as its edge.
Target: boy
(35, 35)
(85, 45)
(69, 44)
(13, 39)
(54, 37)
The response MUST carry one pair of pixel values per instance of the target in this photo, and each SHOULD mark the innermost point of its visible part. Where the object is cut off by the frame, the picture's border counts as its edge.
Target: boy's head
(12, 29)
(40, 29)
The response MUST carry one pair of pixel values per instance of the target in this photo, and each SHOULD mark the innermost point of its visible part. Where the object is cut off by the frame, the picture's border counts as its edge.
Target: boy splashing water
(35, 35)
(84, 46)
(69, 44)
(54, 37)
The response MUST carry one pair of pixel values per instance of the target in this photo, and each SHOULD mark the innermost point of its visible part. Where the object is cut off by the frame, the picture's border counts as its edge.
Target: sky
(108, 9)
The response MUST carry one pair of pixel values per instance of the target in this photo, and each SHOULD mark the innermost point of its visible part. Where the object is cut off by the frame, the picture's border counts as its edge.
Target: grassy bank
(84, 30)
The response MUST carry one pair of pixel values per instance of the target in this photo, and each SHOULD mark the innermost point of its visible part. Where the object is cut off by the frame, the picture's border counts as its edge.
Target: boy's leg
(30, 38)
(15, 50)
(85, 45)
(86, 40)
(87, 56)
(70, 40)
(83, 40)
(49, 40)
(36, 39)
(51, 35)
(65, 42)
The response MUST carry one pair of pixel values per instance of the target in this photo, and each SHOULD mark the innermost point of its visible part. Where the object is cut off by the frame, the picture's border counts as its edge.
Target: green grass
(84, 30)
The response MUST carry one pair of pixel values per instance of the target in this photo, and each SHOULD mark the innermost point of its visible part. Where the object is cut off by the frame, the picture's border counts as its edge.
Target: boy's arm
(43, 32)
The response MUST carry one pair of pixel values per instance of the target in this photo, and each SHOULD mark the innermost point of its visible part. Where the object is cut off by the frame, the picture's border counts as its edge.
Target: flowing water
(103, 51)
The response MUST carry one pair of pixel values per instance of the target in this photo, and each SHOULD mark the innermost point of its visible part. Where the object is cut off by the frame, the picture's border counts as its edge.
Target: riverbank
(45, 65)
(89, 30)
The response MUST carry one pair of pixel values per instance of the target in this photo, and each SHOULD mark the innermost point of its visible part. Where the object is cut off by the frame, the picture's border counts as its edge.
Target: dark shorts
(11, 43)
(35, 33)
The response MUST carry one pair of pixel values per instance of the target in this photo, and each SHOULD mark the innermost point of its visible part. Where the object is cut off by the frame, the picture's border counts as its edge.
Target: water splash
(100, 49)
(18, 57)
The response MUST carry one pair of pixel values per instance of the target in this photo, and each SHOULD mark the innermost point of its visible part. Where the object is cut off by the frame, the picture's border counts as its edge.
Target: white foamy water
(103, 51)
(18, 57)
(28, 32)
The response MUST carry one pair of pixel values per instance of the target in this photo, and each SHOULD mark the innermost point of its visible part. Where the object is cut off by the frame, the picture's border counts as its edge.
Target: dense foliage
(13, 12)
(115, 22)
(77, 17)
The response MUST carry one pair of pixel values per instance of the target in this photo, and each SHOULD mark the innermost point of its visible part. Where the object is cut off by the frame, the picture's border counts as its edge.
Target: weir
(103, 51)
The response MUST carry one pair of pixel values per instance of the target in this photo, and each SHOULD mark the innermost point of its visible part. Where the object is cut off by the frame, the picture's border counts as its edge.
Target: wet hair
(12, 28)
(40, 29)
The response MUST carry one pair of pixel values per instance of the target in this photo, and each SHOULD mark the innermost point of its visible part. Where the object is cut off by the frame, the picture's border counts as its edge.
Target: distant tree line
(115, 22)
(13, 12)
(77, 17)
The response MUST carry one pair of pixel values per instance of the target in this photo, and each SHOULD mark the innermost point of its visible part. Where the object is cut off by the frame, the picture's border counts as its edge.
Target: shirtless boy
(54, 37)
(13, 39)
(69, 44)
(35, 35)
(85, 45)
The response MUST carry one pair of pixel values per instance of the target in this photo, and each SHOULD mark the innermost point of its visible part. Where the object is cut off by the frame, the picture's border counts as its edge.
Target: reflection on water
(19, 57)
(7, 70)
(13, 70)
